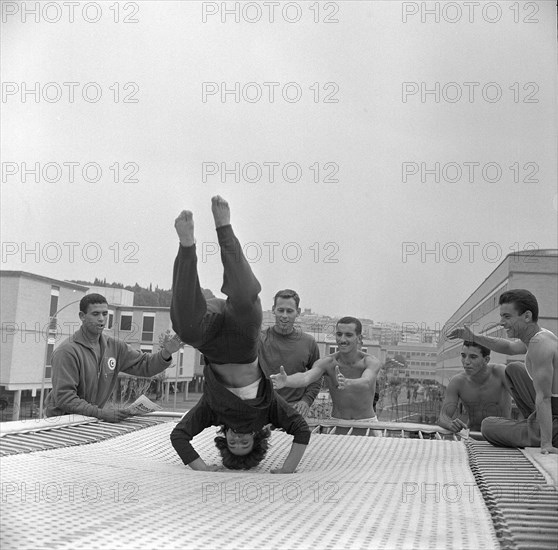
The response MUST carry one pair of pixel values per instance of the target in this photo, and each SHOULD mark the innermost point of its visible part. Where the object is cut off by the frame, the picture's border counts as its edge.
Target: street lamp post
(50, 319)
(175, 383)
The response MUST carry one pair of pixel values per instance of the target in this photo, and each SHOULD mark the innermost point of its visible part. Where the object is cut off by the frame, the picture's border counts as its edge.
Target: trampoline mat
(133, 491)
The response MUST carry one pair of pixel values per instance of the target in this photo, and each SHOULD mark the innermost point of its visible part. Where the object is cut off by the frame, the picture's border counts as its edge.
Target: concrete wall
(25, 321)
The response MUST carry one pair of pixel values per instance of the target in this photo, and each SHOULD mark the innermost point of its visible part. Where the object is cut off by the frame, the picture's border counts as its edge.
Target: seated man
(482, 389)
(85, 367)
(533, 386)
(351, 375)
(283, 344)
(236, 395)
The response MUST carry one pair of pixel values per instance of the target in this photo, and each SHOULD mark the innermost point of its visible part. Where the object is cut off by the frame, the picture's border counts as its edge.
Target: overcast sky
(348, 137)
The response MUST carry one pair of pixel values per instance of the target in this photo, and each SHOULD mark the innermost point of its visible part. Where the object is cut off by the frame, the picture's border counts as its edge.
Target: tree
(142, 296)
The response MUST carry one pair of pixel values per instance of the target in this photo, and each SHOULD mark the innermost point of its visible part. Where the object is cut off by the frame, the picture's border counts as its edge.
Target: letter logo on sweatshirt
(111, 363)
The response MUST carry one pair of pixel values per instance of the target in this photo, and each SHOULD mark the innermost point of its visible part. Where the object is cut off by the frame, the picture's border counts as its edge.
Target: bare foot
(221, 211)
(184, 226)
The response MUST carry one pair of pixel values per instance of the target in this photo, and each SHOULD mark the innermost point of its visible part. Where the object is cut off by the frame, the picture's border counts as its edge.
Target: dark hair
(348, 320)
(522, 300)
(485, 351)
(91, 299)
(247, 461)
(287, 293)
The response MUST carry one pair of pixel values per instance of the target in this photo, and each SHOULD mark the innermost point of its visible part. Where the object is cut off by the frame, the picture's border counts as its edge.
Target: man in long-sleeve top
(85, 367)
(288, 346)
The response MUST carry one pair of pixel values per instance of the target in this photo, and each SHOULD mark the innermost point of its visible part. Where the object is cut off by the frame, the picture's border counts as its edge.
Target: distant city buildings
(419, 361)
(382, 333)
(385, 340)
(37, 313)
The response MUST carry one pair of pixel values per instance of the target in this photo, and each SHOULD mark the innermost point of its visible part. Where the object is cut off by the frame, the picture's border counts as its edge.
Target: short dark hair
(485, 351)
(247, 461)
(91, 299)
(348, 320)
(287, 293)
(522, 300)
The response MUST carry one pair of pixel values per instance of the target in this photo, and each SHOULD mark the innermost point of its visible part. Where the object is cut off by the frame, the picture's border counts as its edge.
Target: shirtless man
(535, 386)
(482, 389)
(351, 375)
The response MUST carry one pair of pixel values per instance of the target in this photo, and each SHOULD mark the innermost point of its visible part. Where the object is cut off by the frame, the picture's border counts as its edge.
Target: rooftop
(99, 485)
(42, 278)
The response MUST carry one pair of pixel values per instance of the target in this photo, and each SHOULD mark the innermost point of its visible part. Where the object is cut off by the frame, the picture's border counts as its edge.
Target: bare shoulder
(547, 338)
(371, 361)
(544, 343)
(327, 362)
(498, 369)
(458, 382)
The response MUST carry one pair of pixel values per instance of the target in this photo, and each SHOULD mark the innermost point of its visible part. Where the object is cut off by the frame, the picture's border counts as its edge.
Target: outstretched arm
(449, 408)
(367, 379)
(139, 363)
(312, 389)
(500, 345)
(541, 356)
(299, 379)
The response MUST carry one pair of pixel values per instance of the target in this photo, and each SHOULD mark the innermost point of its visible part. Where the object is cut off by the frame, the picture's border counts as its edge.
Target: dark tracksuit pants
(504, 432)
(225, 331)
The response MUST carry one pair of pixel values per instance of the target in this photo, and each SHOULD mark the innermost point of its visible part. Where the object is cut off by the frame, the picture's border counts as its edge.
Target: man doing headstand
(236, 395)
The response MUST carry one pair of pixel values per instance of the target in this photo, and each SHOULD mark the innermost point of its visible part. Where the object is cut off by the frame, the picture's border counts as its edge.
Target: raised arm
(500, 345)
(138, 363)
(541, 357)
(449, 408)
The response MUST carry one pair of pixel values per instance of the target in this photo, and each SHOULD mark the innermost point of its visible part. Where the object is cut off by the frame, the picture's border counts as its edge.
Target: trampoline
(128, 489)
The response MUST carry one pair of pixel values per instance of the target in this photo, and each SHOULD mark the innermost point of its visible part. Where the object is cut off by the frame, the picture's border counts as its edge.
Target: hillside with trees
(157, 297)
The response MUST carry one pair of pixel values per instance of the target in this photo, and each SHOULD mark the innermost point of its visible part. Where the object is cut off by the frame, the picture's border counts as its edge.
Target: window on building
(54, 295)
(48, 366)
(110, 319)
(147, 327)
(125, 321)
(53, 304)
(202, 361)
(146, 349)
(333, 349)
